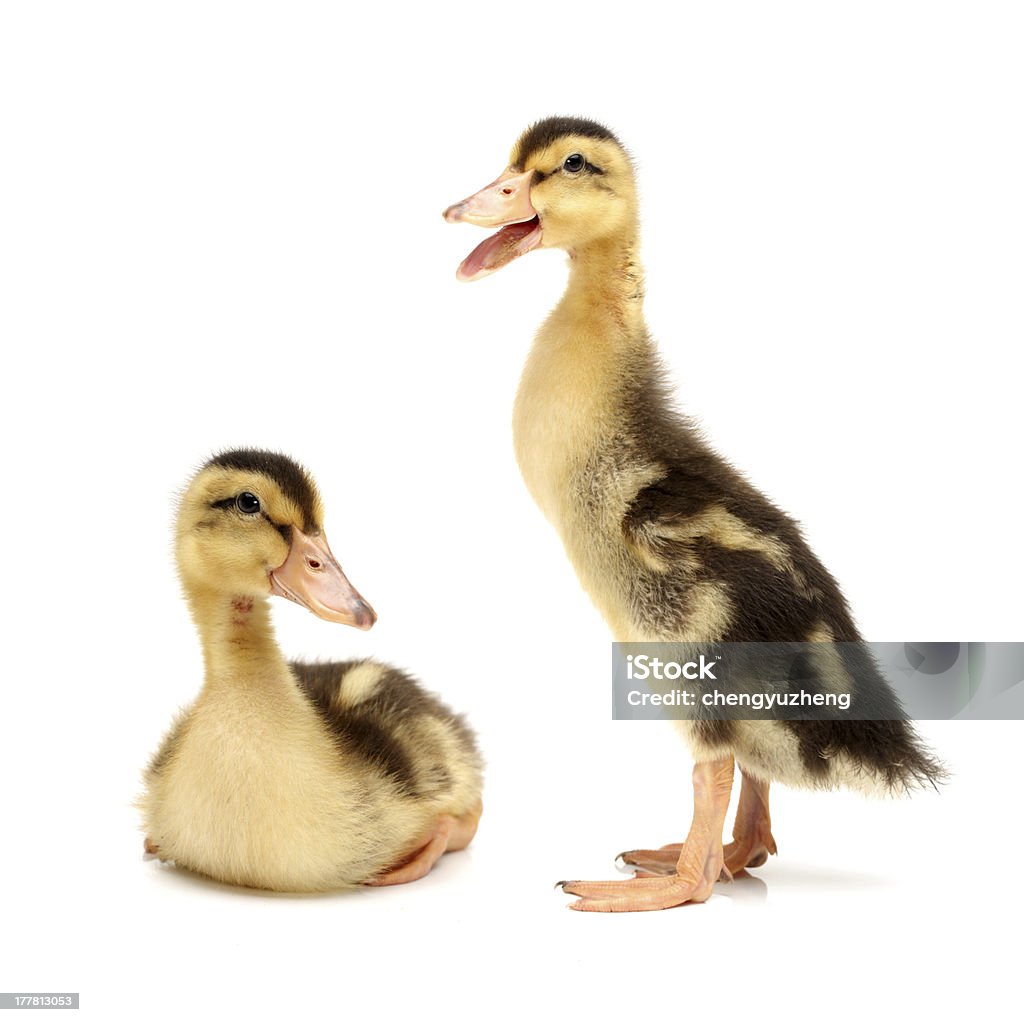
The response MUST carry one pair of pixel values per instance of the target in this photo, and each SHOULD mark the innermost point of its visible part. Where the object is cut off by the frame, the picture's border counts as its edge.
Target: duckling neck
(598, 327)
(575, 381)
(239, 647)
(606, 282)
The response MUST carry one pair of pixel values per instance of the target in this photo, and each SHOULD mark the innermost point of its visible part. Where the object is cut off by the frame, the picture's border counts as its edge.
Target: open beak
(504, 203)
(312, 578)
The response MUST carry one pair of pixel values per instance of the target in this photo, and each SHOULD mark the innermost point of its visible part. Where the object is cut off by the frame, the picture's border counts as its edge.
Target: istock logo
(643, 667)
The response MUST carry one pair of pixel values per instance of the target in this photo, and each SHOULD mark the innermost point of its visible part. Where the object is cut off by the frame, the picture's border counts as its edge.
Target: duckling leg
(421, 862)
(752, 832)
(750, 847)
(464, 828)
(700, 859)
(450, 834)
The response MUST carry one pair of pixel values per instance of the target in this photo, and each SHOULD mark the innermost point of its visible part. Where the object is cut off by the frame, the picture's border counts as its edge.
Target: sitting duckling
(293, 776)
(671, 543)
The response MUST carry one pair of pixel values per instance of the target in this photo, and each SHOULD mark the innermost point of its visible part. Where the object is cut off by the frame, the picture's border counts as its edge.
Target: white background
(221, 225)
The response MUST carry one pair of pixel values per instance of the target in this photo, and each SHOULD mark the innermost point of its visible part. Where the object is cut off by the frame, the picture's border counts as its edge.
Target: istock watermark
(818, 681)
(643, 667)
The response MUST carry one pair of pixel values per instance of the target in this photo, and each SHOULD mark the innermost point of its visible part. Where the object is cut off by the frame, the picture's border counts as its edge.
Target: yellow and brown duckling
(671, 543)
(284, 775)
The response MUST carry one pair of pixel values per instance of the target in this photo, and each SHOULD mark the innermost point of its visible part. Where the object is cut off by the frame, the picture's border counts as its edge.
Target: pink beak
(504, 203)
(312, 578)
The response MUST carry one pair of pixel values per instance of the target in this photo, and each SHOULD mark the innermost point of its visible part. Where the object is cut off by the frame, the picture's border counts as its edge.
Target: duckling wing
(726, 565)
(716, 560)
(170, 744)
(387, 718)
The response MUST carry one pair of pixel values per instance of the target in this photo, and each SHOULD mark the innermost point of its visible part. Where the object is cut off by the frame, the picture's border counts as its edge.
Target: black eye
(248, 503)
(574, 164)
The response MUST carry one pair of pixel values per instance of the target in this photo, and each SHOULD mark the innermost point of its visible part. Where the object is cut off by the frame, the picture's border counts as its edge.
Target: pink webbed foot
(642, 894)
(652, 861)
(690, 869)
(450, 834)
(421, 862)
(660, 862)
(749, 853)
(752, 841)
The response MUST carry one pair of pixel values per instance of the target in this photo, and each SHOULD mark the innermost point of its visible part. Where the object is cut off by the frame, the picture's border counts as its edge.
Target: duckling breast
(269, 806)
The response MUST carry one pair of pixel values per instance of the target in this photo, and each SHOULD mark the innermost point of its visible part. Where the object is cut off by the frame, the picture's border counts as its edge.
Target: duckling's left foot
(750, 847)
(450, 834)
(149, 846)
(653, 861)
(422, 861)
(699, 863)
(464, 828)
(752, 841)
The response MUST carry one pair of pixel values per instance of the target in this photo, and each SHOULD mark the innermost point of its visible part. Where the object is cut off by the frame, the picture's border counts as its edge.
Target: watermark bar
(38, 1000)
(818, 681)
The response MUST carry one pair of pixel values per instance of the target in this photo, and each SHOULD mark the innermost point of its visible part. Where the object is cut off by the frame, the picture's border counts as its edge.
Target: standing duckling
(671, 543)
(292, 776)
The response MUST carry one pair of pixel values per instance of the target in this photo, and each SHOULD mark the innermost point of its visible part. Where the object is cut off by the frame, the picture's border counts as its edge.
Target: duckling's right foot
(690, 870)
(150, 847)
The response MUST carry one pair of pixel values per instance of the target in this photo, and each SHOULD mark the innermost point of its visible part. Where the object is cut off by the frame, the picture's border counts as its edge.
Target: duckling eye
(248, 503)
(574, 164)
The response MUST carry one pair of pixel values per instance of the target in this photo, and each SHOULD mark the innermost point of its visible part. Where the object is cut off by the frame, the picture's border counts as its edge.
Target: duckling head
(250, 525)
(569, 184)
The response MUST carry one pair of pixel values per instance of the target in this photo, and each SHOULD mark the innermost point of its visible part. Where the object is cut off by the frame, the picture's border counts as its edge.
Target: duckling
(671, 543)
(295, 776)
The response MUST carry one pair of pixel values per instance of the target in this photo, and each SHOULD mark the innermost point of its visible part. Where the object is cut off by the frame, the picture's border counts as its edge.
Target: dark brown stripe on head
(540, 135)
(288, 475)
